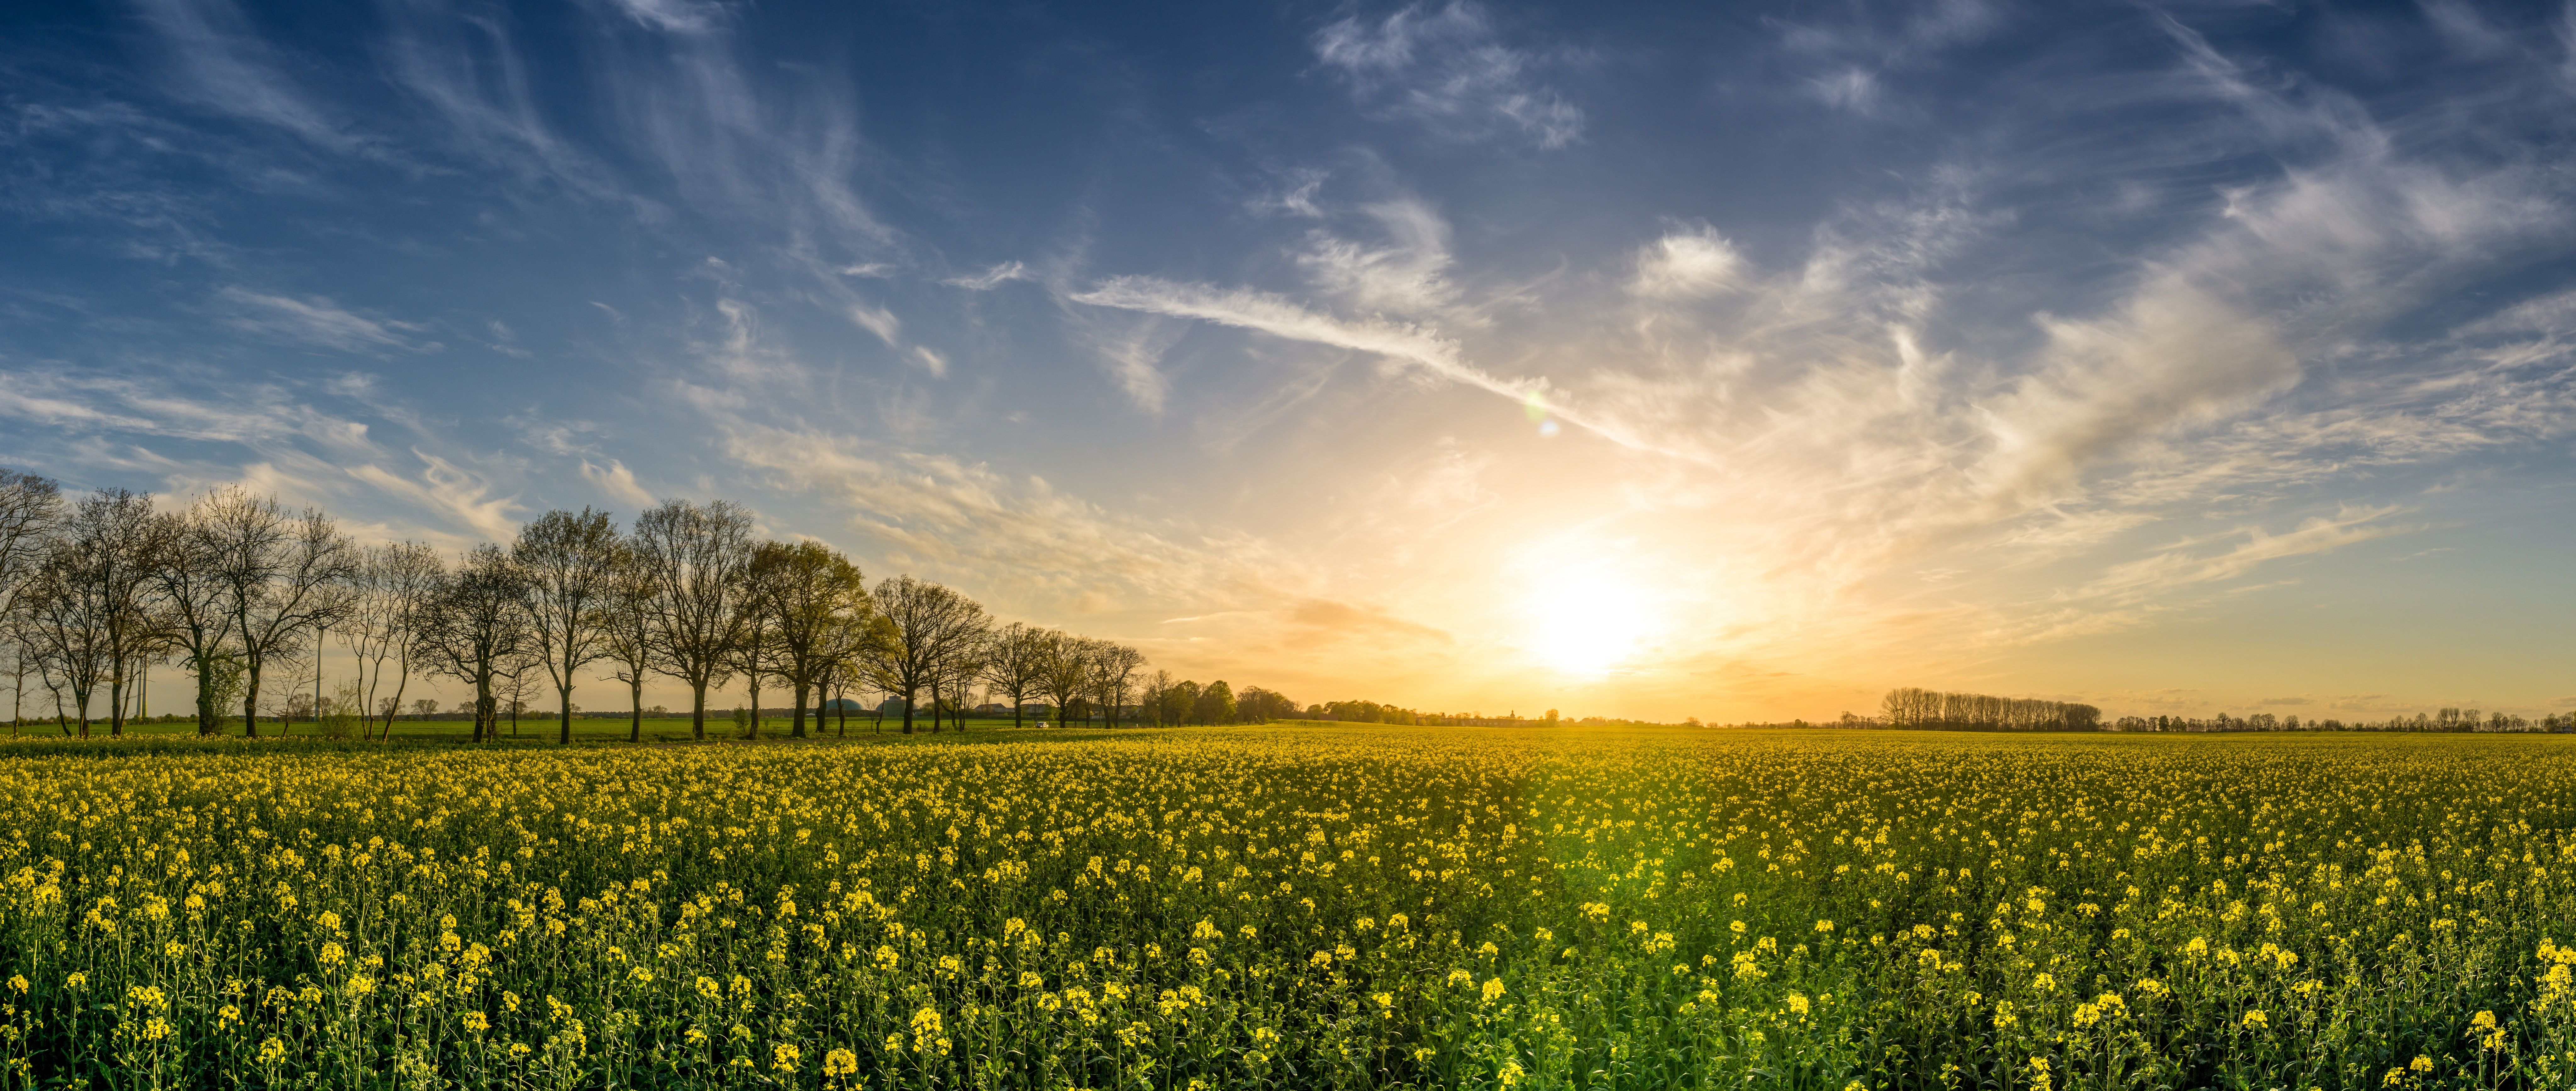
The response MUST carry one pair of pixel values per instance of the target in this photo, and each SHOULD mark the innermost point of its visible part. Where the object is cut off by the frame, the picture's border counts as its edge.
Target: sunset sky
(1727, 361)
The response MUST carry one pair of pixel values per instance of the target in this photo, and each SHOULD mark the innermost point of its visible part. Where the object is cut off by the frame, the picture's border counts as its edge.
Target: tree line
(236, 591)
(1909, 708)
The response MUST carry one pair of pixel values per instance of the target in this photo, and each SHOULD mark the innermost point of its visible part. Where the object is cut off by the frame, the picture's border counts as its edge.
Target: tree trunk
(565, 696)
(803, 691)
(635, 727)
(250, 699)
(698, 714)
(907, 709)
(751, 727)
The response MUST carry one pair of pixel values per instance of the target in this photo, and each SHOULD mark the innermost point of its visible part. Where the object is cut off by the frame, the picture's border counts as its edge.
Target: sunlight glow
(1586, 621)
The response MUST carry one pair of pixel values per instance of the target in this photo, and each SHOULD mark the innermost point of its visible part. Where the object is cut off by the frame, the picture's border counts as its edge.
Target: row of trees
(234, 588)
(2449, 719)
(1922, 709)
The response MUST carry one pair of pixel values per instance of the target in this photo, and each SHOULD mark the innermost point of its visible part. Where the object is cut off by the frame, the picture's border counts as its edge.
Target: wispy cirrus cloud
(316, 320)
(1449, 68)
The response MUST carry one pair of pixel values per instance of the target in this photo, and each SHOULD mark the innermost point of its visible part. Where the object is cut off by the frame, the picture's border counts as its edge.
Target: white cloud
(879, 321)
(617, 482)
(674, 16)
(1687, 263)
(218, 62)
(1449, 69)
(991, 278)
(1406, 277)
(314, 320)
(442, 486)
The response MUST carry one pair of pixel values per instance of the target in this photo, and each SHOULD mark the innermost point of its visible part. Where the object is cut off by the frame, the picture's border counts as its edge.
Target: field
(1296, 907)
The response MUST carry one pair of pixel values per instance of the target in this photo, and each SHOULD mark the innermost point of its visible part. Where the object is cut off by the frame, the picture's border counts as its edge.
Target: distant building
(843, 704)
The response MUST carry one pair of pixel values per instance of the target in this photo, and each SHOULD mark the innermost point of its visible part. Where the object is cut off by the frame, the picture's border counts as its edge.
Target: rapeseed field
(1299, 907)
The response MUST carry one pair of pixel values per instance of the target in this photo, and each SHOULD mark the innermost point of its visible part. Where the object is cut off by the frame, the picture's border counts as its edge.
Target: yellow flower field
(1296, 907)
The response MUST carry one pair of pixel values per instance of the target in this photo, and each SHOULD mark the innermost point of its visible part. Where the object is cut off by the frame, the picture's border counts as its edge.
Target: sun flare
(1586, 622)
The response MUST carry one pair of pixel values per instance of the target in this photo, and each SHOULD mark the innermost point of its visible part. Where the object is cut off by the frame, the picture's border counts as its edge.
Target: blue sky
(1650, 360)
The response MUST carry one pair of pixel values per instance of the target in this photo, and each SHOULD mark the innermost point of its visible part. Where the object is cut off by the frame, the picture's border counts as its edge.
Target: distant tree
(67, 632)
(283, 577)
(1149, 696)
(755, 654)
(812, 596)
(30, 506)
(393, 586)
(1216, 704)
(1065, 673)
(696, 556)
(626, 633)
(1016, 663)
(425, 707)
(1112, 667)
(1181, 702)
(192, 594)
(925, 625)
(1258, 705)
(571, 563)
(108, 542)
(965, 667)
(479, 628)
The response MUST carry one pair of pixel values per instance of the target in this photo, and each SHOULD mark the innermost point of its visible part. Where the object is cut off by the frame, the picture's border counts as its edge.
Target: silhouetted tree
(925, 623)
(282, 577)
(479, 625)
(571, 563)
(696, 556)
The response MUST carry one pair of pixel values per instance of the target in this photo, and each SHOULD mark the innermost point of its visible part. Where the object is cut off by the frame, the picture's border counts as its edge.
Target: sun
(1586, 621)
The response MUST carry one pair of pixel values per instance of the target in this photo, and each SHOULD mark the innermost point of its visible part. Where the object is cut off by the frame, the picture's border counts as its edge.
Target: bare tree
(1065, 671)
(68, 633)
(107, 544)
(626, 633)
(1154, 694)
(187, 576)
(30, 506)
(1113, 668)
(281, 576)
(813, 596)
(1016, 662)
(958, 671)
(925, 622)
(478, 625)
(695, 557)
(755, 653)
(571, 564)
(393, 587)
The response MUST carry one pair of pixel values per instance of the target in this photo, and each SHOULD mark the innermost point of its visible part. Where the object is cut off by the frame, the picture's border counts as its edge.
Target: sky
(1736, 361)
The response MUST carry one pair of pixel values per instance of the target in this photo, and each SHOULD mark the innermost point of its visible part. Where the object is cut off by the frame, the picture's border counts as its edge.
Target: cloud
(1449, 69)
(879, 321)
(315, 320)
(1851, 89)
(2181, 566)
(442, 486)
(465, 65)
(675, 16)
(1133, 356)
(991, 278)
(1407, 277)
(216, 60)
(1686, 263)
(1281, 317)
(617, 482)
